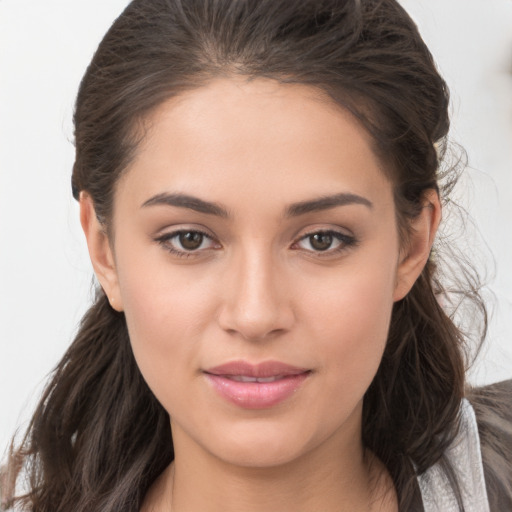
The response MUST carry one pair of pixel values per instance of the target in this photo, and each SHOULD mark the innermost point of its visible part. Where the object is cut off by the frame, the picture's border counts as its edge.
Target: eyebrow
(294, 210)
(186, 201)
(325, 203)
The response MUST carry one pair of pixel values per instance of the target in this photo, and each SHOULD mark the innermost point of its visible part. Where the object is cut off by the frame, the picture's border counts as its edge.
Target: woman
(260, 191)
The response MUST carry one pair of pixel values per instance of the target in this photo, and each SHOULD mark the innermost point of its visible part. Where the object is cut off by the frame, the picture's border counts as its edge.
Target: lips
(258, 386)
(244, 378)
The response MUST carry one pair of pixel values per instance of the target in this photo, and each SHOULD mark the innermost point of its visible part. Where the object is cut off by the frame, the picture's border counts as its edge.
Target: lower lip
(257, 395)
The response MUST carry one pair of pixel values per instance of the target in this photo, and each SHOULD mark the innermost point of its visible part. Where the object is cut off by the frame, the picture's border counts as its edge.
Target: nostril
(255, 329)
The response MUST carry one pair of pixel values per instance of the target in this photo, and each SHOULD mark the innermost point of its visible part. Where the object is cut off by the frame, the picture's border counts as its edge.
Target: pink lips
(256, 386)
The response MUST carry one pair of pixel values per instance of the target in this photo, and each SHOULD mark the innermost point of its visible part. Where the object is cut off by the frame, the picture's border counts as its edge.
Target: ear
(100, 251)
(415, 254)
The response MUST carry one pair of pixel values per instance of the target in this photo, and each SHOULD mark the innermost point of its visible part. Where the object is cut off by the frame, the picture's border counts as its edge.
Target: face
(256, 257)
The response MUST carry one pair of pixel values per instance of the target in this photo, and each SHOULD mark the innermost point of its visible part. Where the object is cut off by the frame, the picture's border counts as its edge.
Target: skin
(258, 289)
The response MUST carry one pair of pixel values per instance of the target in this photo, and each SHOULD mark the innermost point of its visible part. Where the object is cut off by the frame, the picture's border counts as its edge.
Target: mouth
(260, 386)
(245, 378)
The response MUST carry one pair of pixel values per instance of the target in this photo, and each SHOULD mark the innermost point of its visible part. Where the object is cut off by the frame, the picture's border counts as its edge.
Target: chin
(262, 443)
(260, 455)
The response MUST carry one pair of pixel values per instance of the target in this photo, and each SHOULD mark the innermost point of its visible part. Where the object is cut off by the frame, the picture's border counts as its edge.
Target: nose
(256, 304)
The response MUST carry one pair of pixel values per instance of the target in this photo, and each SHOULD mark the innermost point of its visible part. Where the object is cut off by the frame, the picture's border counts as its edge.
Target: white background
(45, 276)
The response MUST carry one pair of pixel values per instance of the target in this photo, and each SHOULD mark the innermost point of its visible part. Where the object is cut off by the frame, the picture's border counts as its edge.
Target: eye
(328, 241)
(185, 242)
(190, 240)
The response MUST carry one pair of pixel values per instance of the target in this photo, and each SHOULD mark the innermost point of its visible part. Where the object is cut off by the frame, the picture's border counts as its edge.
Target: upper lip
(261, 370)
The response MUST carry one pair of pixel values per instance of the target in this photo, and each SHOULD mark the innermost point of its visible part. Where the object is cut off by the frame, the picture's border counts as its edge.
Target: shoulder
(493, 409)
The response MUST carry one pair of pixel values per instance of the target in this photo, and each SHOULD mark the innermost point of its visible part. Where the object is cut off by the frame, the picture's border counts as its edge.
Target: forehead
(264, 140)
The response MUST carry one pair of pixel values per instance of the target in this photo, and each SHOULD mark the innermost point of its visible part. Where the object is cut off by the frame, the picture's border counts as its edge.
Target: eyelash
(165, 242)
(346, 242)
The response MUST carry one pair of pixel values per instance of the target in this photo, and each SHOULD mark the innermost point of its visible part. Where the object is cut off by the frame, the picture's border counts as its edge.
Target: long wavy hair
(99, 438)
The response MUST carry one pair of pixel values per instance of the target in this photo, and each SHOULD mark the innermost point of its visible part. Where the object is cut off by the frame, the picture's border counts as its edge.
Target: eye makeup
(187, 243)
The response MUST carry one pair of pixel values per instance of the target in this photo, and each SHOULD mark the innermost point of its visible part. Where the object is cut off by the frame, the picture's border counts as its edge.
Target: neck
(297, 487)
(300, 486)
(337, 476)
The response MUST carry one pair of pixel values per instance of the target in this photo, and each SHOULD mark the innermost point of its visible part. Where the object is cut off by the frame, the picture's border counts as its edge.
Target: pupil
(321, 241)
(191, 240)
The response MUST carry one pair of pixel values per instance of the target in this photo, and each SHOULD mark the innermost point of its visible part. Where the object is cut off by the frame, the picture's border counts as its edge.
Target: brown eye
(187, 243)
(328, 242)
(191, 240)
(321, 241)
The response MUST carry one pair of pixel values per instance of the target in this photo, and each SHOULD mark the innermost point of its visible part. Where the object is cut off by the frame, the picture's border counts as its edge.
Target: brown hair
(84, 451)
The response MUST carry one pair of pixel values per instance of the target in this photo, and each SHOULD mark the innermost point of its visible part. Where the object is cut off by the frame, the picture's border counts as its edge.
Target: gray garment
(465, 456)
(493, 408)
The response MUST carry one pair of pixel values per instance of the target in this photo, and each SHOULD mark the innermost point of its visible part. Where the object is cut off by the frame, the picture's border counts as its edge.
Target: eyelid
(164, 239)
(346, 240)
(169, 231)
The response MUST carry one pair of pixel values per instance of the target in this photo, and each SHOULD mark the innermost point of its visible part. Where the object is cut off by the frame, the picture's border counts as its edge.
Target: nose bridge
(256, 304)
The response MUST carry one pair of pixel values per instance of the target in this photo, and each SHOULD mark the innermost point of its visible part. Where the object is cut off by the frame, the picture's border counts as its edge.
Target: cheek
(161, 299)
(166, 312)
(349, 319)
(161, 313)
